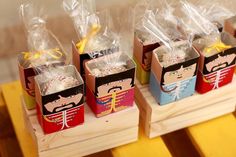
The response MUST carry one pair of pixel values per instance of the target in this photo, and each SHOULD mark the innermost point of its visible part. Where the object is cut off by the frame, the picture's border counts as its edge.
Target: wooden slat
(215, 138)
(112, 123)
(11, 93)
(116, 129)
(185, 105)
(159, 120)
(191, 118)
(144, 147)
(93, 145)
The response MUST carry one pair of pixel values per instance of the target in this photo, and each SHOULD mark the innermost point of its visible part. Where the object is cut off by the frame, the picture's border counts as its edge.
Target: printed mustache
(219, 66)
(64, 107)
(115, 87)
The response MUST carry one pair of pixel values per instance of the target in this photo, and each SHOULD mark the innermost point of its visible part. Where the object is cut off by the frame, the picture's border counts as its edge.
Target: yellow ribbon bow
(81, 45)
(54, 53)
(219, 46)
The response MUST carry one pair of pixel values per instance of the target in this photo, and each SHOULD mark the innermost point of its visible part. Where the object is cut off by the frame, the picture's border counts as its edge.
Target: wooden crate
(159, 120)
(95, 135)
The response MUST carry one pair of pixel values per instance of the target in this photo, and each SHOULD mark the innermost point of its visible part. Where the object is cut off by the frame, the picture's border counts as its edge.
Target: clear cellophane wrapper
(57, 79)
(101, 31)
(163, 25)
(44, 48)
(93, 28)
(198, 27)
(46, 54)
(216, 11)
(163, 11)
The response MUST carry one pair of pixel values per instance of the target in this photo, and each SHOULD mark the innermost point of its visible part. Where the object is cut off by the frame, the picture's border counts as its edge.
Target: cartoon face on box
(179, 72)
(62, 101)
(114, 83)
(219, 61)
(27, 80)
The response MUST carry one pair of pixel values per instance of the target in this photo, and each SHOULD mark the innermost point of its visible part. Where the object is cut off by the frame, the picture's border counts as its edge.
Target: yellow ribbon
(54, 53)
(219, 46)
(81, 45)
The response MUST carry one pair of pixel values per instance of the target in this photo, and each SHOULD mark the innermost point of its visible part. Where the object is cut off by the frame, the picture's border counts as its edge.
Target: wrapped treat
(59, 97)
(110, 83)
(174, 66)
(44, 50)
(230, 26)
(95, 37)
(144, 44)
(217, 51)
(144, 41)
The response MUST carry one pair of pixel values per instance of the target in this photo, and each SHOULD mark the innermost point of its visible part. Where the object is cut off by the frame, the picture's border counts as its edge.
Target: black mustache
(62, 109)
(217, 67)
(115, 87)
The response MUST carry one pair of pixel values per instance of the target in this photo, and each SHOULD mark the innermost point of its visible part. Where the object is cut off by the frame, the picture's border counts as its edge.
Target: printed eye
(188, 68)
(173, 73)
(108, 84)
(121, 81)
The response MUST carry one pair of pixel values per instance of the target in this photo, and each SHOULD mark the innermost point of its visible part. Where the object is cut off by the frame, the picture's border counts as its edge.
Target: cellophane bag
(174, 63)
(217, 50)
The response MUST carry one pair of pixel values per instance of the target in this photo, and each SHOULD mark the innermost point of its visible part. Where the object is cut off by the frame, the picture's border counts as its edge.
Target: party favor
(110, 83)
(59, 97)
(44, 49)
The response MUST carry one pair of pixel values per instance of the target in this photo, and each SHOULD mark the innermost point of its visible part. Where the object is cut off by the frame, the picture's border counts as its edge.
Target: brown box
(230, 26)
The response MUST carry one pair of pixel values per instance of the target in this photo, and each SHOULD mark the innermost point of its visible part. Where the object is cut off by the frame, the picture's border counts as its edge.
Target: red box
(60, 110)
(217, 70)
(110, 93)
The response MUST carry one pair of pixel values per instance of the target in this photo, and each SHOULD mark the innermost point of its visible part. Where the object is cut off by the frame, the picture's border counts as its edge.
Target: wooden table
(210, 139)
(12, 92)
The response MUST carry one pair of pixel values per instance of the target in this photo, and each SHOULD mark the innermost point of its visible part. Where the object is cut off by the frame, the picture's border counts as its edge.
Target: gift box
(112, 91)
(29, 65)
(215, 70)
(230, 26)
(27, 82)
(64, 108)
(142, 55)
(169, 83)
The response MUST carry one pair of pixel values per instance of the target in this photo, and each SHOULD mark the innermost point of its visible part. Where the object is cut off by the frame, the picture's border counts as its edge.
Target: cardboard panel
(63, 109)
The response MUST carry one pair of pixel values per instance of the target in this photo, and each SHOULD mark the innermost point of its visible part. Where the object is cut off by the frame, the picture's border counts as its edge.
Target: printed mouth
(218, 67)
(63, 107)
(114, 89)
(179, 77)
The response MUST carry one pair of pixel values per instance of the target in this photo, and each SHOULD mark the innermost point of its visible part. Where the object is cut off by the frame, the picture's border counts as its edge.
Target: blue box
(173, 82)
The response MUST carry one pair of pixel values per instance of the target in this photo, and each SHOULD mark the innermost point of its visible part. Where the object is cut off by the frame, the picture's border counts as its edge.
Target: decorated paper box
(64, 108)
(27, 82)
(143, 57)
(216, 70)
(230, 26)
(110, 88)
(29, 64)
(169, 83)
